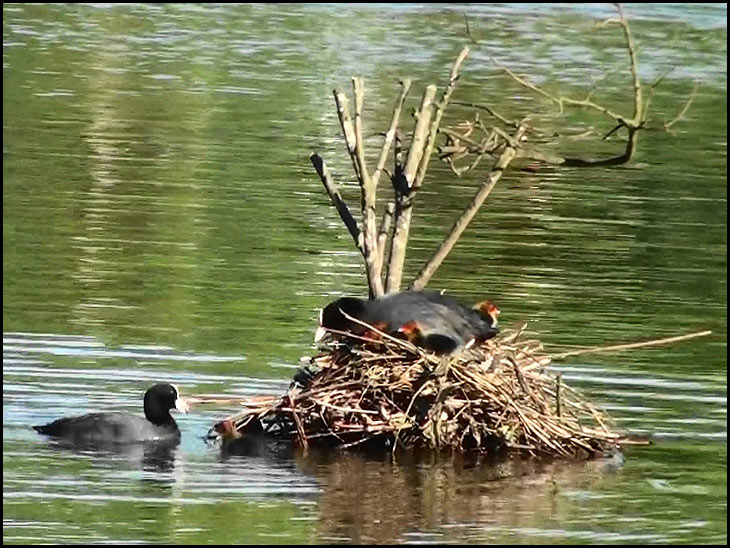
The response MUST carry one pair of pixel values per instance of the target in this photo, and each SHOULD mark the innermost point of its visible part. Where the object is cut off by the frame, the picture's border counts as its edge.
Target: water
(161, 221)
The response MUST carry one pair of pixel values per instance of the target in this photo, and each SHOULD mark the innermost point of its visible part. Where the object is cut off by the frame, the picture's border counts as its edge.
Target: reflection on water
(441, 501)
(152, 457)
(161, 222)
(345, 497)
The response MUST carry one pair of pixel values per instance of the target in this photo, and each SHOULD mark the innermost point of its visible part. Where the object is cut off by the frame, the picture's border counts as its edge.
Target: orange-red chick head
(227, 430)
(411, 331)
(490, 309)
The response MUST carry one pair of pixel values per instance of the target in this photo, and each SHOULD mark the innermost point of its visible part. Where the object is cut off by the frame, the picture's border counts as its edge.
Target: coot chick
(117, 427)
(439, 343)
(488, 313)
(438, 317)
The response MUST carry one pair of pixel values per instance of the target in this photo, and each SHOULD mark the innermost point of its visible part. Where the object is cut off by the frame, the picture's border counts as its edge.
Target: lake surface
(161, 221)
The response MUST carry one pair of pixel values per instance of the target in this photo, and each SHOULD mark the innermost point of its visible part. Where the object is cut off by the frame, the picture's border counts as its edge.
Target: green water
(161, 221)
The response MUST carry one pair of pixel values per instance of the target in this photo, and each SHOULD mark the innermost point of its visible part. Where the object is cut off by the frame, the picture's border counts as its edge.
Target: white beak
(319, 334)
(181, 405)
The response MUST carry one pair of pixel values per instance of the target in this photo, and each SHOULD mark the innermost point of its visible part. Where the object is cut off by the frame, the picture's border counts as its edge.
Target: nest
(387, 394)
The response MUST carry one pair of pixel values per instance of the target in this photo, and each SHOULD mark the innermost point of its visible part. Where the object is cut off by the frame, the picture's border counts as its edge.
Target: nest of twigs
(389, 394)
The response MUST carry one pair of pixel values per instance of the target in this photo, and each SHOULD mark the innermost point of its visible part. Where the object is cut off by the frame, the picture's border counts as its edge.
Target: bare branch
(369, 230)
(614, 130)
(463, 221)
(489, 110)
(358, 89)
(337, 201)
(420, 136)
(658, 81)
(617, 347)
(638, 109)
(415, 172)
(562, 101)
(468, 31)
(343, 113)
(390, 135)
(385, 228)
(685, 108)
(402, 184)
(439, 109)
(632, 124)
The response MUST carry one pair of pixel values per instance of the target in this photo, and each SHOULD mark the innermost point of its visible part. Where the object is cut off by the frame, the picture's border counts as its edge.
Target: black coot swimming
(432, 320)
(118, 428)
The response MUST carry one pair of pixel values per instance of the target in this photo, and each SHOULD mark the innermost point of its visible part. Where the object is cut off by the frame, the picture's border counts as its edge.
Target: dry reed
(387, 394)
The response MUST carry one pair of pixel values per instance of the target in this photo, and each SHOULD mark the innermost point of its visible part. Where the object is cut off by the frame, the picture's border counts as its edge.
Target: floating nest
(387, 394)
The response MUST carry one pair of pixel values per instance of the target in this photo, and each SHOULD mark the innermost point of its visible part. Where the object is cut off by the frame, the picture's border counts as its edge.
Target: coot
(442, 323)
(117, 427)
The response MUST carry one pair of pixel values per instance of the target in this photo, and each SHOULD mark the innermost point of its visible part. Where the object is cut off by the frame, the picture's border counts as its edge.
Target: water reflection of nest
(387, 394)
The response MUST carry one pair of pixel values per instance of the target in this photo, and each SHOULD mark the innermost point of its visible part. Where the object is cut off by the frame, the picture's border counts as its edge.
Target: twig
(367, 187)
(300, 428)
(405, 417)
(336, 197)
(385, 228)
(415, 172)
(402, 185)
(490, 110)
(463, 221)
(345, 409)
(617, 347)
(348, 130)
(392, 130)
(684, 110)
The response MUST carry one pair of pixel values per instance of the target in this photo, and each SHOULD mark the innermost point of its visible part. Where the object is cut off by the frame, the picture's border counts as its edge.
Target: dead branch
(402, 184)
(632, 123)
(439, 109)
(684, 110)
(393, 128)
(336, 197)
(465, 146)
(629, 346)
(415, 172)
(348, 130)
(490, 111)
(463, 221)
(367, 200)
(385, 228)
